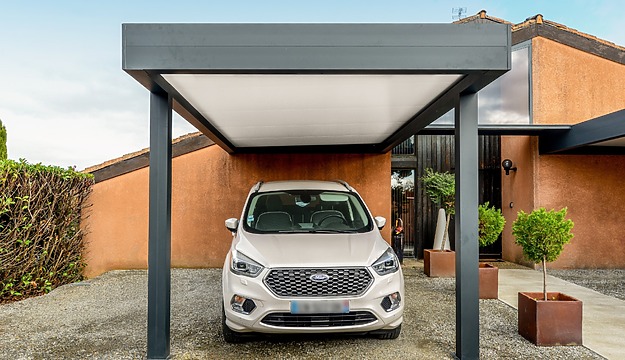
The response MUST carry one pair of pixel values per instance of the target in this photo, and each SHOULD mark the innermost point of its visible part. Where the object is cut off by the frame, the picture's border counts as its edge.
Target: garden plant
(542, 234)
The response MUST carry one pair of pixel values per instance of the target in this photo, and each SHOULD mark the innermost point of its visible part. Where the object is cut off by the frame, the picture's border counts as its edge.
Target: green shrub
(542, 235)
(3, 141)
(490, 224)
(40, 235)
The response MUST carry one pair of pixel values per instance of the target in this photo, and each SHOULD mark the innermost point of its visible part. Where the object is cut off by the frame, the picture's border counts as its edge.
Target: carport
(304, 88)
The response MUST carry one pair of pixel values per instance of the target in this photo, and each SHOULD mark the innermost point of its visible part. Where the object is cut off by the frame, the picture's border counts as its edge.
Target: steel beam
(467, 254)
(159, 243)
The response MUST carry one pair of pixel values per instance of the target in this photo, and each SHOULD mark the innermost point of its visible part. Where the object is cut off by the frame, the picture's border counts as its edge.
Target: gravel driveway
(105, 318)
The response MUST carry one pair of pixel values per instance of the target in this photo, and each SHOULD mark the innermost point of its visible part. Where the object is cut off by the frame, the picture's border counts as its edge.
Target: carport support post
(159, 243)
(467, 257)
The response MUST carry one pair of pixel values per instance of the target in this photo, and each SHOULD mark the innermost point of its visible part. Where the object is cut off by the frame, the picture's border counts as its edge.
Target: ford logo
(320, 277)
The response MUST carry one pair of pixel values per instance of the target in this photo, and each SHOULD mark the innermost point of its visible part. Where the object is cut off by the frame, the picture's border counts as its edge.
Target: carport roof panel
(329, 74)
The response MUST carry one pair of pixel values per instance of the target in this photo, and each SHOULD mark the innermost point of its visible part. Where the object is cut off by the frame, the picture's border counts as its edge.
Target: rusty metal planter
(557, 321)
(439, 263)
(489, 281)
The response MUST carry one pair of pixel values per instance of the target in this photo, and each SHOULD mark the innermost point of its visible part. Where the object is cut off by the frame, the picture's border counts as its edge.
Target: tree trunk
(446, 234)
(545, 278)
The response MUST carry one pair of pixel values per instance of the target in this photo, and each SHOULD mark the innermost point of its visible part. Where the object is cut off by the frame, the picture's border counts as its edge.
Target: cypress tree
(3, 141)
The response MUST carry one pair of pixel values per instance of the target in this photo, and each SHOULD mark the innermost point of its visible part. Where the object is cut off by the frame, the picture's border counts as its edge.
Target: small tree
(441, 188)
(3, 141)
(542, 235)
(490, 224)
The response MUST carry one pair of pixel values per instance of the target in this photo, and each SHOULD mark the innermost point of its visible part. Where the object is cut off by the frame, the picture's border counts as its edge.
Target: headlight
(242, 265)
(387, 263)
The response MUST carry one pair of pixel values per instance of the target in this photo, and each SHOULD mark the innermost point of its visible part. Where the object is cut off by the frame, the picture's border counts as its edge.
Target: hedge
(41, 242)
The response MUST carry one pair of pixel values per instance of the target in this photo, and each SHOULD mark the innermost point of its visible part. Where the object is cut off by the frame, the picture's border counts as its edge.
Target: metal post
(159, 245)
(467, 257)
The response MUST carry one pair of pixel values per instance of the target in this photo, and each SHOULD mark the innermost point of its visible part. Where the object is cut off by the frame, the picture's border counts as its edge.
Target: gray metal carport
(353, 88)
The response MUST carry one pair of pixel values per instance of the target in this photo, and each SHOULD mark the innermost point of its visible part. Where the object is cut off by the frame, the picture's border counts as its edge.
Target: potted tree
(441, 188)
(490, 225)
(546, 318)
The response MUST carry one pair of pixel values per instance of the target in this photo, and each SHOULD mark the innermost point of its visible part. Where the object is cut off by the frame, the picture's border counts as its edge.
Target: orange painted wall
(517, 189)
(209, 186)
(592, 189)
(570, 86)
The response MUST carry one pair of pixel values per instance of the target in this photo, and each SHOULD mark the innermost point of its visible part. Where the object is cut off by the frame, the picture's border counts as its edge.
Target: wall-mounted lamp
(507, 166)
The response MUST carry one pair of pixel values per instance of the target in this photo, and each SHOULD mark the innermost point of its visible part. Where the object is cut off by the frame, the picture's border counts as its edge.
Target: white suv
(307, 257)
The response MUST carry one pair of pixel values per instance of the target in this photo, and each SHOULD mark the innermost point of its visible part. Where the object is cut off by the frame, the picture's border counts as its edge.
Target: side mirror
(380, 222)
(232, 224)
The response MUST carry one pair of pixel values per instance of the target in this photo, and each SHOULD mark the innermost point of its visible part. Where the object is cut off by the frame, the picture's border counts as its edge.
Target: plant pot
(437, 263)
(489, 281)
(557, 321)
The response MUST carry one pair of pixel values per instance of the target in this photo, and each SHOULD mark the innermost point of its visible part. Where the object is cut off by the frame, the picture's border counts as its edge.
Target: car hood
(312, 250)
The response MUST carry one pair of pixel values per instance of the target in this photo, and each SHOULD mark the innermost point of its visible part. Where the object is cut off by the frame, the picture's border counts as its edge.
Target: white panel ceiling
(295, 110)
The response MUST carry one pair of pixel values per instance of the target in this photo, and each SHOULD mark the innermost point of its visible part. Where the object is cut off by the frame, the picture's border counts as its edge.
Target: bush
(3, 141)
(490, 224)
(40, 235)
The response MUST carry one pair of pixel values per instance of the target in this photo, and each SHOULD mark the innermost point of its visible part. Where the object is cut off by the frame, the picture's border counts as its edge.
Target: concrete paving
(603, 316)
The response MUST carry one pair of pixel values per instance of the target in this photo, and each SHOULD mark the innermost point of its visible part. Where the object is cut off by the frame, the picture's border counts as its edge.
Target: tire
(230, 336)
(389, 334)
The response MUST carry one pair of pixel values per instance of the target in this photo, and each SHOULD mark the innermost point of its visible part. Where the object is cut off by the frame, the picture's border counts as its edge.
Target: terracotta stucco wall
(592, 189)
(208, 186)
(517, 189)
(570, 86)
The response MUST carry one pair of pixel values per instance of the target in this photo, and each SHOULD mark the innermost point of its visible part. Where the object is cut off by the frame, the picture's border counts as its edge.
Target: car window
(306, 211)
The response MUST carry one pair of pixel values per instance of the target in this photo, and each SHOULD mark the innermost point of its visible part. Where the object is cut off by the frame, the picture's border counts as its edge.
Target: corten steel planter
(437, 263)
(489, 281)
(557, 321)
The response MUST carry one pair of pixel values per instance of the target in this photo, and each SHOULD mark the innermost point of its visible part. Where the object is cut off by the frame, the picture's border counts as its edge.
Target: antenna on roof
(458, 13)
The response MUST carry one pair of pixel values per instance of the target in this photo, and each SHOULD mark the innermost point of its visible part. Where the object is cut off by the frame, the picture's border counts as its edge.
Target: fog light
(242, 305)
(391, 302)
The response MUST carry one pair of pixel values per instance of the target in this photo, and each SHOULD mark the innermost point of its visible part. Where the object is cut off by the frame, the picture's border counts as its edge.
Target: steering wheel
(333, 216)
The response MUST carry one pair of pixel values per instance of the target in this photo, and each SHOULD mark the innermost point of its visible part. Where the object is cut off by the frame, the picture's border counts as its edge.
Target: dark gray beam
(284, 48)
(467, 254)
(159, 243)
(603, 128)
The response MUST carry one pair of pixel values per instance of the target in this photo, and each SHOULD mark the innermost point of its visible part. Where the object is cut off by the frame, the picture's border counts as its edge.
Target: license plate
(320, 307)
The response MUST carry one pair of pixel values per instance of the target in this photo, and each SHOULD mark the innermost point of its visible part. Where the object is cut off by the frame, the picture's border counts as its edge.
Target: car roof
(304, 185)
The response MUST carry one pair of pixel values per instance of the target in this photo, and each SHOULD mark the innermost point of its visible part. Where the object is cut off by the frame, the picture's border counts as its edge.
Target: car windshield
(306, 211)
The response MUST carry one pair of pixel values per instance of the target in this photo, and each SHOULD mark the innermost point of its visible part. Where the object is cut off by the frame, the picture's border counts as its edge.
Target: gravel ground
(105, 318)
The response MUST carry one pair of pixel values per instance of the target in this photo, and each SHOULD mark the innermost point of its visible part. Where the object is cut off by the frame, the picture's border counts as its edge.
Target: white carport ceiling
(295, 110)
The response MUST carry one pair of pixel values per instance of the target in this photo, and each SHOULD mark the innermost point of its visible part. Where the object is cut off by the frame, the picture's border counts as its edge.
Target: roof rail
(344, 183)
(257, 186)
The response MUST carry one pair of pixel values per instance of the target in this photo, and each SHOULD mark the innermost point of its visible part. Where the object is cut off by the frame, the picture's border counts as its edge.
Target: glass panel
(505, 100)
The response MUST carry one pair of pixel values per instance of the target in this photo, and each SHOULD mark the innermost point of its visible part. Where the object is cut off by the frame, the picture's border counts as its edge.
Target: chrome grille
(293, 282)
(319, 320)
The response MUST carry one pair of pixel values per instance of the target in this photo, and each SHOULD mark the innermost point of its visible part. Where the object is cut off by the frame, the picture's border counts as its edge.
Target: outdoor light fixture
(507, 165)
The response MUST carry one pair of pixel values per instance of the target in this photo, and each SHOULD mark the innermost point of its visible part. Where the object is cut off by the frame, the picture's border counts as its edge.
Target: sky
(65, 100)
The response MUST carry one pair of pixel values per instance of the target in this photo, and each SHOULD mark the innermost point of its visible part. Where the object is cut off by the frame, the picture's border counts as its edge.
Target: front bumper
(267, 303)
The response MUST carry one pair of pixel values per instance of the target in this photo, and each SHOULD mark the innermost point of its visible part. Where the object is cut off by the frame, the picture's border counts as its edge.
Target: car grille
(298, 282)
(319, 320)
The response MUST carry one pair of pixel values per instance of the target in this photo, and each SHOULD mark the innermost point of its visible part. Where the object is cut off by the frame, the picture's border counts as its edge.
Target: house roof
(538, 26)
